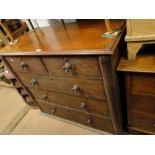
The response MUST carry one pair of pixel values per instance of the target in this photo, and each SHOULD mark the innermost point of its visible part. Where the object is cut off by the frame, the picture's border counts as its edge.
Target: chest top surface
(81, 37)
(144, 62)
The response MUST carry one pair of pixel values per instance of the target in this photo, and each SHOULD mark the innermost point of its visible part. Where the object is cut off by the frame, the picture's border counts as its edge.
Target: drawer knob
(89, 121)
(53, 111)
(153, 125)
(33, 82)
(44, 97)
(67, 67)
(83, 106)
(22, 65)
(75, 88)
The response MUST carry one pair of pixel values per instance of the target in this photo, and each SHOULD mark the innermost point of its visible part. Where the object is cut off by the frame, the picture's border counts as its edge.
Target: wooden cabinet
(139, 32)
(140, 91)
(73, 76)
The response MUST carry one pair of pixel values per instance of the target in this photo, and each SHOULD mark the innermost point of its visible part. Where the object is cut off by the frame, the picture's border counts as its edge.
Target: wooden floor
(17, 118)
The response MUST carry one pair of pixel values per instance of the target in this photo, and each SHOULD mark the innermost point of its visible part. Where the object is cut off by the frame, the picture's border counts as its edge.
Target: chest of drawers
(73, 76)
(140, 91)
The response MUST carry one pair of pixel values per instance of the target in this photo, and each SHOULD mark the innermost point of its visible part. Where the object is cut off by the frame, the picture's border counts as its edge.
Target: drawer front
(75, 87)
(143, 122)
(26, 64)
(102, 123)
(83, 104)
(143, 83)
(144, 104)
(73, 66)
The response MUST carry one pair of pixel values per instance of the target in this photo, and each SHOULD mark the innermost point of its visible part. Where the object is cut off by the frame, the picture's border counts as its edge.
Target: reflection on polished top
(82, 37)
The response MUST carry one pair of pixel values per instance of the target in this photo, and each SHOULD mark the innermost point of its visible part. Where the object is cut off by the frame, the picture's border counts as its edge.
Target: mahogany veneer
(69, 71)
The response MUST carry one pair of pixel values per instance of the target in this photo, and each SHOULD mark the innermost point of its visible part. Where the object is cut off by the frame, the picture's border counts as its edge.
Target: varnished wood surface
(140, 102)
(102, 123)
(143, 83)
(143, 122)
(88, 88)
(144, 62)
(33, 64)
(143, 103)
(93, 106)
(86, 66)
(98, 84)
(82, 37)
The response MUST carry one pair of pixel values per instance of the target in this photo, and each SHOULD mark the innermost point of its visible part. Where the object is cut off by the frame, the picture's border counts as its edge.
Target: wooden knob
(33, 82)
(89, 121)
(75, 88)
(83, 106)
(44, 97)
(67, 67)
(22, 65)
(53, 111)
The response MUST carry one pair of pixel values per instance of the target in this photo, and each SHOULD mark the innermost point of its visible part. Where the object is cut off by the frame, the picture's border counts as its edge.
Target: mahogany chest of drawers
(69, 71)
(140, 91)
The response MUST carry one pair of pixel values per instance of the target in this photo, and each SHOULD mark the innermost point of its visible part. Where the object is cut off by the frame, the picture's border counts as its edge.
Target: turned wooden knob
(53, 111)
(22, 65)
(44, 97)
(89, 121)
(67, 67)
(33, 82)
(83, 106)
(75, 88)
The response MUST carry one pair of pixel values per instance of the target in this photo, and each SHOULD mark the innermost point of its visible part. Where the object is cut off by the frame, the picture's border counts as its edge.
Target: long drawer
(26, 64)
(89, 105)
(145, 104)
(73, 66)
(102, 123)
(143, 83)
(142, 122)
(72, 86)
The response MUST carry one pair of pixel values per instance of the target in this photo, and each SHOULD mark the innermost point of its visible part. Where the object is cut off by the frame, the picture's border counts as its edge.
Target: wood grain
(88, 88)
(81, 66)
(33, 64)
(102, 123)
(83, 37)
(93, 106)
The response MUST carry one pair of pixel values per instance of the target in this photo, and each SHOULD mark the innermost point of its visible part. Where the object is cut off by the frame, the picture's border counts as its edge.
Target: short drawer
(143, 122)
(102, 123)
(88, 105)
(72, 86)
(143, 83)
(73, 66)
(26, 64)
(144, 104)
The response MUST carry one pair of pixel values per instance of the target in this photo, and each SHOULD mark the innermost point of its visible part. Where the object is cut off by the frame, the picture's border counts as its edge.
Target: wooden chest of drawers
(140, 91)
(73, 77)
